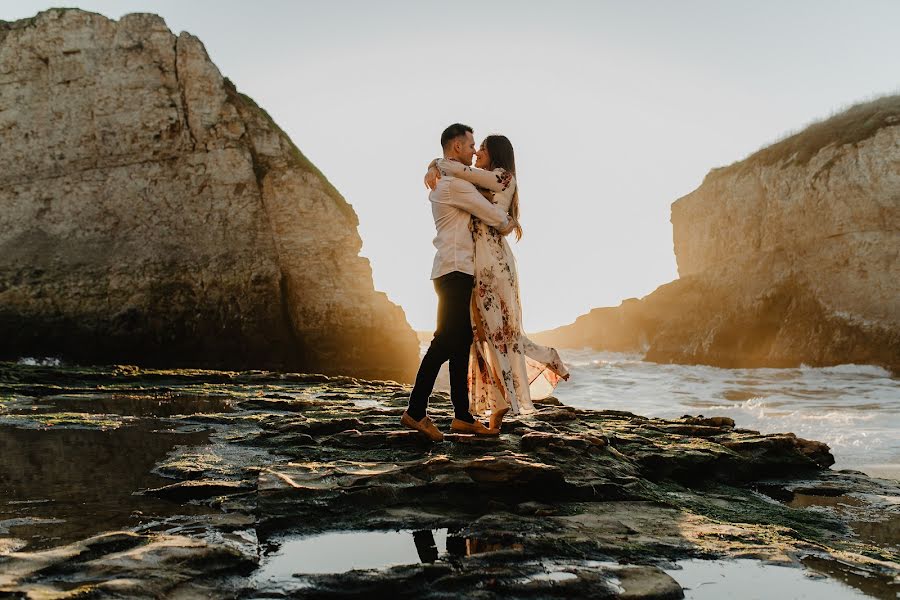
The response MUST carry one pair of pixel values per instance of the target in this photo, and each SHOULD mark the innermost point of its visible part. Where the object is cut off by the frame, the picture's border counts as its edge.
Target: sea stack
(152, 214)
(789, 257)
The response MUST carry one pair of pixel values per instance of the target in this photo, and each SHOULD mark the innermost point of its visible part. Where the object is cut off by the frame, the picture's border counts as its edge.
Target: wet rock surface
(122, 482)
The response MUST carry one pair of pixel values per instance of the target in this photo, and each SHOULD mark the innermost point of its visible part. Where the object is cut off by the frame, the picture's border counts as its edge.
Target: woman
(506, 369)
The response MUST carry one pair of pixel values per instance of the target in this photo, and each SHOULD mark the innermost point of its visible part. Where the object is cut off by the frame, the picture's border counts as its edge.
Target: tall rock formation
(150, 213)
(790, 256)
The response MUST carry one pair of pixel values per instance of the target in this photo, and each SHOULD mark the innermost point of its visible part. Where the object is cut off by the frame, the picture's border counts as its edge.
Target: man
(453, 202)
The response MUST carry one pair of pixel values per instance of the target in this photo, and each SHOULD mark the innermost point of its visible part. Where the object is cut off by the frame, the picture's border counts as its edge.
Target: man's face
(465, 148)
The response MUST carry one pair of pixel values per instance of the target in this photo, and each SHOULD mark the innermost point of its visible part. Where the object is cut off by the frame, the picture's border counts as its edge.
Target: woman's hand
(510, 227)
(432, 177)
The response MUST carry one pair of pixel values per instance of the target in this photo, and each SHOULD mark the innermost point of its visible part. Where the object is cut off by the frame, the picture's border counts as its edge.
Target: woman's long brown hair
(500, 150)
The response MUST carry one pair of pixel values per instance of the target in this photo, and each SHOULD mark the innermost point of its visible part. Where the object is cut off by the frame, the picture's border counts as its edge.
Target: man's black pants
(452, 341)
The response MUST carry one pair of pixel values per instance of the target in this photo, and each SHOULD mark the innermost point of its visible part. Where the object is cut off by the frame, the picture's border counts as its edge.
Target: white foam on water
(46, 361)
(851, 369)
(855, 409)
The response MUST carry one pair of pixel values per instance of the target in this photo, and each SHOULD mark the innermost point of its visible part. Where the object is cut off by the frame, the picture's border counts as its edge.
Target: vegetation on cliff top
(851, 126)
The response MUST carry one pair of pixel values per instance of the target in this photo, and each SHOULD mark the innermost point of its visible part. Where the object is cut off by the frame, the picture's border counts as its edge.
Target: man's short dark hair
(453, 132)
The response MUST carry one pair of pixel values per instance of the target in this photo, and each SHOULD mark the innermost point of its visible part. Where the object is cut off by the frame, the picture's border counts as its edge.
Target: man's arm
(490, 180)
(464, 196)
(511, 226)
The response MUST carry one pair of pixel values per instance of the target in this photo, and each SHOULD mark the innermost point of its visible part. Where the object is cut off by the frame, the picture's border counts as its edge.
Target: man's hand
(509, 227)
(432, 177)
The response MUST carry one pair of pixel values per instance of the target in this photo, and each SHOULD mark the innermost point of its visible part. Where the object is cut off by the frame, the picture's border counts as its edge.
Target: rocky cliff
(790, 256)
(151, 213)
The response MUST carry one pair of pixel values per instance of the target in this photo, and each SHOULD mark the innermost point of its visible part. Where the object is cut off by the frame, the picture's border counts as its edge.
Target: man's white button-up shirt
(453, 202)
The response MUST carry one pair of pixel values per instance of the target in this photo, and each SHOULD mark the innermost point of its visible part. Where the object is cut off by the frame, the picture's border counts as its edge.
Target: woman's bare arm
(496, 181)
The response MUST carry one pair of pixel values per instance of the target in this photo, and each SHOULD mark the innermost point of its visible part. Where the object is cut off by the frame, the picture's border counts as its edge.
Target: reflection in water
(130, 404)
(867, 517)
(885, 534)
(800, 500)
(455, 546)
(342, 551)
(876, 587)
(338, 552)
(746, 578)
(855, 409)
(881, 532)
(62, 485)
(868, 520)
(425, 545)
(476, 546)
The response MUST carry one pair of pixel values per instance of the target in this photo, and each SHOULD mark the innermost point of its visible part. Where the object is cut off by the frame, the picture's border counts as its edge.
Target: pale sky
(615, 109)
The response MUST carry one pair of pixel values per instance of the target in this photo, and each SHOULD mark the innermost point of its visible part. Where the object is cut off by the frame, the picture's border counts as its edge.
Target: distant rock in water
(150, 213)
(789, 257)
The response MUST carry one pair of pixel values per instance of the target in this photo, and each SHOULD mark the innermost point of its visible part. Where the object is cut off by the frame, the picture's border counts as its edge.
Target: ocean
(855, 409)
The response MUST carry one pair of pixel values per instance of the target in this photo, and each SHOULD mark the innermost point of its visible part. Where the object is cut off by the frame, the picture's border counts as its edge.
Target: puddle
(856, 512)
(339, 552)
(806, 500)
(345, 551)
(885, 534)
(873, 587)
(63, 485)
(747, 579)
(130, 405)
(290, 558)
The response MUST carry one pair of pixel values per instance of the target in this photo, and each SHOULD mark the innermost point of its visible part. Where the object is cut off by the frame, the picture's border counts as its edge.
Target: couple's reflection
(457, 546)
(425, 545)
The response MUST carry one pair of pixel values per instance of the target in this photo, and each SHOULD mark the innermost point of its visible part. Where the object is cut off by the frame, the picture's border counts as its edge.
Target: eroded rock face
(790, 256)
(152, 214)
(834, 219)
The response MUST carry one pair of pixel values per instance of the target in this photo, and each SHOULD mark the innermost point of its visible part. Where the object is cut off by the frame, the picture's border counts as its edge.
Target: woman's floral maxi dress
(505, 367)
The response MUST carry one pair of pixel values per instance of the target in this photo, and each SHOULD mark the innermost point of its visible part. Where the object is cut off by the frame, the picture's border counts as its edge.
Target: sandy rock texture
(150, 213)
(790, 256)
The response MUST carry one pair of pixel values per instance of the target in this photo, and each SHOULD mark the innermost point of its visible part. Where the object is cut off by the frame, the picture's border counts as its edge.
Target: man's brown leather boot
(425, 427)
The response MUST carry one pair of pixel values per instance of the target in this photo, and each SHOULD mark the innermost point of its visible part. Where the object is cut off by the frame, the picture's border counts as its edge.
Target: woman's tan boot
(497, 418)
(476, 428)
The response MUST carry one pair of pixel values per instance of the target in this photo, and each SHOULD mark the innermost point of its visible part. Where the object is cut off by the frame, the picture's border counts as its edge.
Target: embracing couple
(494, 367)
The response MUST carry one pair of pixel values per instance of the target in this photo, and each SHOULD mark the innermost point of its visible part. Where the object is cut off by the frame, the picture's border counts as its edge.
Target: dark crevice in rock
(185, 123)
